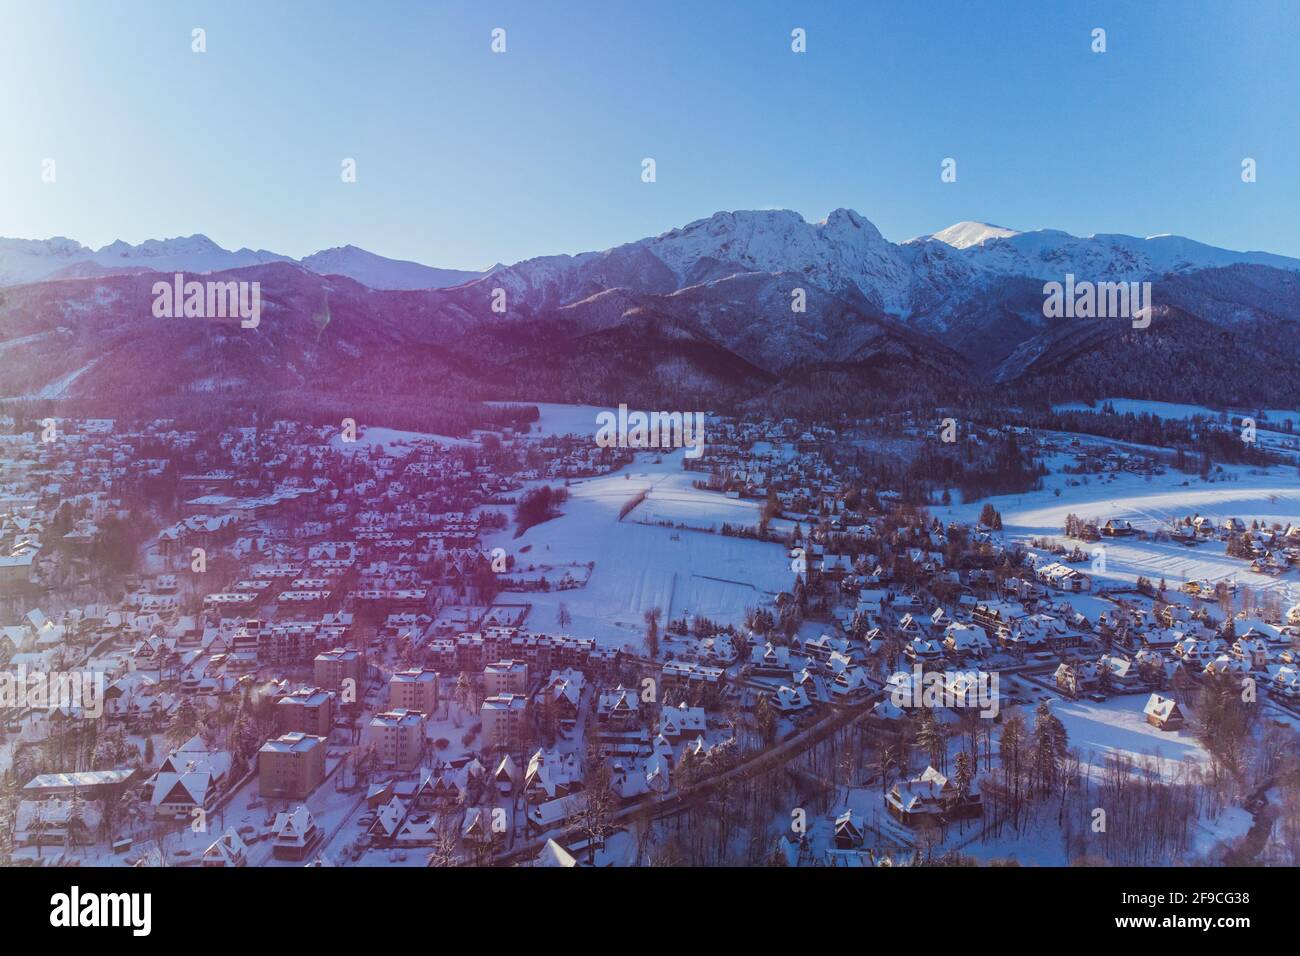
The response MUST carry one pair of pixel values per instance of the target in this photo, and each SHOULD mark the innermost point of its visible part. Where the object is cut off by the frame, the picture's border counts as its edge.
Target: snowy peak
(29, 260)
(34, 260)
(379, 272)
(963, 235)
(844, 253)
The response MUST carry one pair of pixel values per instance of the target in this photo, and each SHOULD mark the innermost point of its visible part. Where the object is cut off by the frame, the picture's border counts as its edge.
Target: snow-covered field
(1119, 726)
(1269, 422)
(643, 566)
(1174, 410)
(1149, 505)
(396, 442)
(562, 419)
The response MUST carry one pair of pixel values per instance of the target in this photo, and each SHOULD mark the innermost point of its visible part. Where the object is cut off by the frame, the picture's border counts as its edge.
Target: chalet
(1074, 680)
(682, 721)
(508, 776)
(618, 708)
(922, 650)
(963, 642)
(997, 618)
(848, 831)
(1063, 577)
(850, 685)
(1197, 652)
(189, 778)
(1284, 681)
(789, 700)
(551, 774)
(1225, 665)
(227, 850)
(1253, 650)
(1163, 712)
(554, 855)
(560, 696)
(1117, 528)
(294, 834)
(932, 796)
(1117, 672)
(771, 661)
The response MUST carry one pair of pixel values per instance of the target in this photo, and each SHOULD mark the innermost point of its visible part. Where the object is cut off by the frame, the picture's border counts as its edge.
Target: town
(345, 644)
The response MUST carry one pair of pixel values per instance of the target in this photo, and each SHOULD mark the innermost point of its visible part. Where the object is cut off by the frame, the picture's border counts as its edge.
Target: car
(1097, 698)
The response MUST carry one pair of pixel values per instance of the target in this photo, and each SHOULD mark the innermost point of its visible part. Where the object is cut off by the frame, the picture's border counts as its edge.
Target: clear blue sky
(465, 157)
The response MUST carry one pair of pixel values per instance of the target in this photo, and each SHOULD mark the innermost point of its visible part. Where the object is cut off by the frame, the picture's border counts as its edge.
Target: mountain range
(33, 260)
(707, 312)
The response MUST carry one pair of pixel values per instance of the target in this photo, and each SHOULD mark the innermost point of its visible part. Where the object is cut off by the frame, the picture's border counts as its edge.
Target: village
(350, 645)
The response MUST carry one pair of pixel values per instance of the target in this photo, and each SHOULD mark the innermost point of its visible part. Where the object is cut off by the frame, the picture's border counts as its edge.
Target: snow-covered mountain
(379, 272)
(843, 254)
(33, 260)
(962, 235)
(847, 256)
(1050, 253)
(29, 260)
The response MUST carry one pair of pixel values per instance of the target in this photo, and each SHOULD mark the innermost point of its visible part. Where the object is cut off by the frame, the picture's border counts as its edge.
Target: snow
(640, 566)
(1172, 411)
(31, 260)
(559, 419)
(380, 272)
(1269, 497)
(1119, 726)
(962, 235)
(395, 441)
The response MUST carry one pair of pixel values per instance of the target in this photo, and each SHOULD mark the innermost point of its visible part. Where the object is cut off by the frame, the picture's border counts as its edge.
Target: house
(508, 776)
(1284, 680)
(1063, 577)
(848, 831)
(790, 700)
(618, 708)
(1163, 712)
(1117, 528)
(1073, 680)
(294, 834)
(189, 778)
(850, 684)
(560, 696)
(53, 821)
(962, 642)
(227, 850)
(554, 855)
(553, 813)
(1117, 672)
(551, 774)
(932, 796)
(682, 721)
(388, 822)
